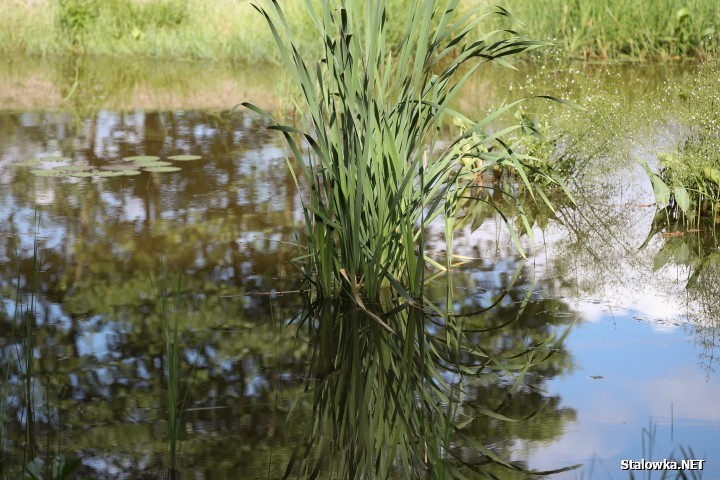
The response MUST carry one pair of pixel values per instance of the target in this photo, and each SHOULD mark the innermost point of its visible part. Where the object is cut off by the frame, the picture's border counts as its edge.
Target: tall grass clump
(643, 29)
(370, 150)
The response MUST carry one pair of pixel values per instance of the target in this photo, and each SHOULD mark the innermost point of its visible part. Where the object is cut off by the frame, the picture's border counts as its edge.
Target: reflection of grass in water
(393, 405)
(5, 391)
(24, 316)
(171, 349)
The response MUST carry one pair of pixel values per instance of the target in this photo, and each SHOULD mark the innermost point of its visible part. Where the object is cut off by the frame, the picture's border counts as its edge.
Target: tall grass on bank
(376, 171)
(617, 29)
(227, 30)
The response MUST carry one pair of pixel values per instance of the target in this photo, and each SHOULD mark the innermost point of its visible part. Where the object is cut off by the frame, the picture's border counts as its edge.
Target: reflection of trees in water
(227, 223)
(100, 380)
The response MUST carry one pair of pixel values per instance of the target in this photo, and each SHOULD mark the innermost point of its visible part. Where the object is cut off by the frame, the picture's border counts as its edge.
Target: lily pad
(141, 158)
(72, 168)
(56, 160)
(110, 173)
(47, 173)
(162, 169)
(29, 163)
(154, 164)
(184, 158)
(130, 173)
(121, 167)
(82, 174)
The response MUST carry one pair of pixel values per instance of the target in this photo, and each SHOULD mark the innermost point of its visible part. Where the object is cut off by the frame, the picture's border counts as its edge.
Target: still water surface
(635, 378)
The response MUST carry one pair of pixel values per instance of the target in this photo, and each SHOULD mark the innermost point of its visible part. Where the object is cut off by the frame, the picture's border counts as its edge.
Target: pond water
(635, 377)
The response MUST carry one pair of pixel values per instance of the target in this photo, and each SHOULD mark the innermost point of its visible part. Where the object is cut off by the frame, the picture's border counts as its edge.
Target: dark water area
(635, 377)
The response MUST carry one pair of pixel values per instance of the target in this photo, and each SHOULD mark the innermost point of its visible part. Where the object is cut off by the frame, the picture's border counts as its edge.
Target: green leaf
(682, 198)
(33, 469)
(661, 190)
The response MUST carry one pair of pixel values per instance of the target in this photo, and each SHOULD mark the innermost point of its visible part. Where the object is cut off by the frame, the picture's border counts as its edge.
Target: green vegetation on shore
(229, 30)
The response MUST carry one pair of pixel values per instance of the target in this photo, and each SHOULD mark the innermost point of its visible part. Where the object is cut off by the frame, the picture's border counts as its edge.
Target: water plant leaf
(55, 159)
(184, 158)
(82, 174)
(162, 169)
(155, 164)
(29, 163)
(682, 198)
(47, 173)
(111, 173)
(712, 174)
(130, 173)
(127, 166)
(141, 158)
(72, 168)
(661, 190)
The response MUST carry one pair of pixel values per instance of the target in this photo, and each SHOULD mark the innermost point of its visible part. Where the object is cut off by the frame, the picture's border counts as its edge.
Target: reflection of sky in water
(647, 374)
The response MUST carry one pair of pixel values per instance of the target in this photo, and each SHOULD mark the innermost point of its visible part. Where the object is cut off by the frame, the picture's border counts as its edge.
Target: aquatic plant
(134, 165)
(375, 167)
(687, 185)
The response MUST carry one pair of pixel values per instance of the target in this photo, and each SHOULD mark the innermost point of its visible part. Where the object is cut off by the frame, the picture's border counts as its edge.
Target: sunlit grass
(228, 30)
(370, 150)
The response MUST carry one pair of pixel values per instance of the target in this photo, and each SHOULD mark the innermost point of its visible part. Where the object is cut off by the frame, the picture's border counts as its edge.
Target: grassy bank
(230, 30)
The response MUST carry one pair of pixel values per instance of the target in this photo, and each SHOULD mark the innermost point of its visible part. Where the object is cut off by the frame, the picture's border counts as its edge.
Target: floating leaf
(110, 173)
(141, 158)
(127, 166)
(55, 159)
(682, 198)
(130, 173)
(29, 163)
(162, 169)
(184, 158)
(82, 174)
(155, 164)
(47, 173)
(72, 168)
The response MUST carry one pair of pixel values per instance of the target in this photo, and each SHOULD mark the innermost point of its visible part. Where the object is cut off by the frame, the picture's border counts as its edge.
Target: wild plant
(370, 152)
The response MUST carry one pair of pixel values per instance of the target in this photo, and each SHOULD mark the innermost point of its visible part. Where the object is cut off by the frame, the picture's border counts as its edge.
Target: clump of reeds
(370, 153)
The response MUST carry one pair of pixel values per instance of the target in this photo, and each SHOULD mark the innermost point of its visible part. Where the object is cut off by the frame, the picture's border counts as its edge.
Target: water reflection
(445, 396)
(264, 375)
